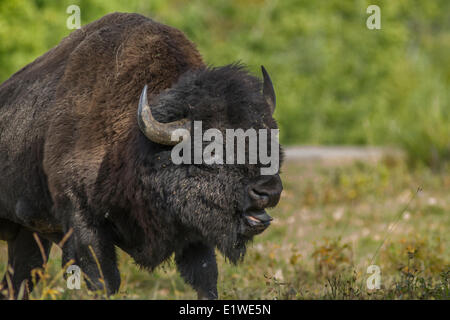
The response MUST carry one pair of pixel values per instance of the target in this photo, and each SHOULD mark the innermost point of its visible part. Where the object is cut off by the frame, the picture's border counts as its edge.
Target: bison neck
(138, 209)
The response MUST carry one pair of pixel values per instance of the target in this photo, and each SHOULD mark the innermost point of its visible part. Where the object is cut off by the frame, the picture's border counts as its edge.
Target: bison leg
(198, 267)
(8, 229)
(93, 251)
(24, 255)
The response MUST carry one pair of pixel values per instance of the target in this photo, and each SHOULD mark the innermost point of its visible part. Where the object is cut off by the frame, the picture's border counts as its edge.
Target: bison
(85, 153)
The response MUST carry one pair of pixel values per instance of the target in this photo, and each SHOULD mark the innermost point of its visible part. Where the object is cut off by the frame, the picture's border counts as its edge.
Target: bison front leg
(92, 249)
(24, 255)
(198, 267)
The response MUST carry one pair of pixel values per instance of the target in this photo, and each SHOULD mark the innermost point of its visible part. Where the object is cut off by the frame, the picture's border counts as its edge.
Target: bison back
(62, 115)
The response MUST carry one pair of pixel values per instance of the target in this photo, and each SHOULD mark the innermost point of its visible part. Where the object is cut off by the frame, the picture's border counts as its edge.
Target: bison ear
(268, 91)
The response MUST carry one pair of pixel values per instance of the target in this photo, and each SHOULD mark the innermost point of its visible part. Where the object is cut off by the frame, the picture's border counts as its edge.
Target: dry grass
(332, 222)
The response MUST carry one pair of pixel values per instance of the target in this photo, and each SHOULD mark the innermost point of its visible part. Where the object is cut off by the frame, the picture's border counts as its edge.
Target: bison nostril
(259, 195)
(264, 192)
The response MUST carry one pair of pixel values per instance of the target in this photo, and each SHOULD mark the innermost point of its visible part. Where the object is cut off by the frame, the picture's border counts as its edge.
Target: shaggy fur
(73, 158)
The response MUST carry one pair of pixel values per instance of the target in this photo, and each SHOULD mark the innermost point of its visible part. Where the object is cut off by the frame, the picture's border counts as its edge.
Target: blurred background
(337, 83)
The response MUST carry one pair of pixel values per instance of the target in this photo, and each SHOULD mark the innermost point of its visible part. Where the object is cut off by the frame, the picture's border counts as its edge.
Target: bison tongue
(259, 217)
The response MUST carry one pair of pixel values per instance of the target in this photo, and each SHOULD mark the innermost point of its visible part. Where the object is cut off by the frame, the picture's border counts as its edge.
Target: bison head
(222, 204)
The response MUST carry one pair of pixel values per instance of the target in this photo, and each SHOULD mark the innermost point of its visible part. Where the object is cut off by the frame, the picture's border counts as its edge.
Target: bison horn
(157, 131)
(268, 91)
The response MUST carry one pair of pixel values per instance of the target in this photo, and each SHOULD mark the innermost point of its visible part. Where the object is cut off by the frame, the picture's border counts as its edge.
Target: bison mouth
(251, 223)
(256, 222)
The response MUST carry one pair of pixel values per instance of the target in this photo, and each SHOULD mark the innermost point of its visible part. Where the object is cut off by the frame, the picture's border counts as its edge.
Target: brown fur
(73, 156)
(124, 56)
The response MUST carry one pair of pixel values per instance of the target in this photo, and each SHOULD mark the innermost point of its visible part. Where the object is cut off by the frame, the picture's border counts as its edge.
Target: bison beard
(74, 158)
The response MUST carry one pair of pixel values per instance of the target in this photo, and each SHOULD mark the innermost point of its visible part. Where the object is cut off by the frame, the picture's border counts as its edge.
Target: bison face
(221, 203)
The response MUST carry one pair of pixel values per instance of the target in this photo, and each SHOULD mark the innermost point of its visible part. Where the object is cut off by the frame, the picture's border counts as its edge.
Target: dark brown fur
(72, 155)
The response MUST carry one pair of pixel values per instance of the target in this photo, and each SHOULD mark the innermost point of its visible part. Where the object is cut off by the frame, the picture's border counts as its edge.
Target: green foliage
(337, 81)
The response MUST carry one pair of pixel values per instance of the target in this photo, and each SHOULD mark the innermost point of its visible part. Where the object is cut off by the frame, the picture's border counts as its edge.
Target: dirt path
(340, 154)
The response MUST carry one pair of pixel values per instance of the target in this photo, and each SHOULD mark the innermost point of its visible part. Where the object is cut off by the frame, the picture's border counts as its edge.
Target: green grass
(336, 81)
(327, 229)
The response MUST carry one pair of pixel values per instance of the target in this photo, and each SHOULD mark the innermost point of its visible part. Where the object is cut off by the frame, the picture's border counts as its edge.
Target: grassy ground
(332, 222)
